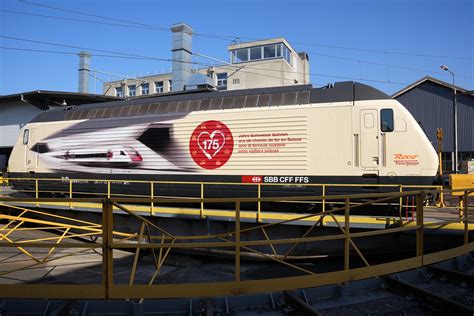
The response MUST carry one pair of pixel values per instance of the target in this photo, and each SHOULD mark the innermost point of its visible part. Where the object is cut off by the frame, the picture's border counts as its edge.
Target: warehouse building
(431, 102)
(18, 109)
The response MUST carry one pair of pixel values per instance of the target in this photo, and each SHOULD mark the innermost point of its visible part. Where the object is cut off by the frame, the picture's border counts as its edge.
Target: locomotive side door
(29, 141)
(369, 139)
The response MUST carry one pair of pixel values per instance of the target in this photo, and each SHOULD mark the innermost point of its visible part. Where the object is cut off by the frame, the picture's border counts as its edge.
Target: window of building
(132, 90)
(286, 53)
(269, 51)
(386, 120)
(119, 92)
(170, 82)
(222, 81)
(279, 50)
(145, 88)
(159, 86)
(261, 52)
(256, 53)
(26, 136)
(240, 55)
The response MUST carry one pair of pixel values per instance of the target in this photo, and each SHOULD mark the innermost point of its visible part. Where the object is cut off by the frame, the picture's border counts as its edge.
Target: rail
(239, 241)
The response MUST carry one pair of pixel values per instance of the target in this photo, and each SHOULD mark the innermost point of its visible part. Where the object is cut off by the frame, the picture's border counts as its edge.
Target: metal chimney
(182, 40)
(84, 70)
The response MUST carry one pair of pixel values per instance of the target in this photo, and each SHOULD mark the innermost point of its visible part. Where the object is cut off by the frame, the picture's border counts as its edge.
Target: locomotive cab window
(26, 136)
(386, 120)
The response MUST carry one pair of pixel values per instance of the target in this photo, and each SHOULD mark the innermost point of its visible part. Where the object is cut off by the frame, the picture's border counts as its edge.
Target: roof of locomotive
(185, 102)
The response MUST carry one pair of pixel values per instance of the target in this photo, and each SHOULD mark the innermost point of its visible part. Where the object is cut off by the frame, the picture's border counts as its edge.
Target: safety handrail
(232, 239)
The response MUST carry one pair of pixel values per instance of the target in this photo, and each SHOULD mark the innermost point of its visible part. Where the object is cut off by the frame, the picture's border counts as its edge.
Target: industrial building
(431, 102)
(256, 64)
(18, 109)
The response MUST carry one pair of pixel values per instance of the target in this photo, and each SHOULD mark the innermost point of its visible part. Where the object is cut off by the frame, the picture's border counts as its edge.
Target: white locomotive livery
(350, 133)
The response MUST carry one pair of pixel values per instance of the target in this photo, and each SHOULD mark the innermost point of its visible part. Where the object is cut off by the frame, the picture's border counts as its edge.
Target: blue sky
(369, 41)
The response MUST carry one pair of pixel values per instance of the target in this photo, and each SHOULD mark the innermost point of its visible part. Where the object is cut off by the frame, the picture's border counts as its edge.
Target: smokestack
(182, 40)
(84, 70)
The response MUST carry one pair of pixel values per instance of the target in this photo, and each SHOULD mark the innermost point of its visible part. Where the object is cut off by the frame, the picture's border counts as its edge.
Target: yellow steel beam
(237, 243)
(152, 195)
(61, 245)
(119, 245)
(107, 251)
(291, 217)
(11, 230)
(217, 200)
(346, 239)
(267, 285)
(271, 245)
(50, 223)
(304, 235)
(58, 241)
(201, 210)
(39, 262)
(419, 222)
(466, 219)
(188, 290)
(50, 215)
(158, 268)
(61, 225)
(351, 241)
(26, 252)
(274, 217)
(143, 219)
(270, 257)
(39, 228)
(137, 252)
(53, 238)
(160, 255)
(264, 242)
(13, 220)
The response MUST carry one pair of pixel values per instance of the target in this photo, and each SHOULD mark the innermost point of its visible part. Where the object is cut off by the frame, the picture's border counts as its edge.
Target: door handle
(376, 159)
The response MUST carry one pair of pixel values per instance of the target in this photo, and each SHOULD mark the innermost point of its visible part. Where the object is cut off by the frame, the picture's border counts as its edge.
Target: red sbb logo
(211, 144)
(252, 179)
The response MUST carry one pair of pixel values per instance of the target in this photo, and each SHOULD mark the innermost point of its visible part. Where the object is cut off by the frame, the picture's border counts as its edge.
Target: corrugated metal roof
(424, 79)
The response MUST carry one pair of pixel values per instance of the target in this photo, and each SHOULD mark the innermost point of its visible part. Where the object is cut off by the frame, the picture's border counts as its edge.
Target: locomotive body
(348, 134)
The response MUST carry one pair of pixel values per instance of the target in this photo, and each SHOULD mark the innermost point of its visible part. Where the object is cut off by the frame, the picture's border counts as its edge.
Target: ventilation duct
(84, 70)
(182, 40)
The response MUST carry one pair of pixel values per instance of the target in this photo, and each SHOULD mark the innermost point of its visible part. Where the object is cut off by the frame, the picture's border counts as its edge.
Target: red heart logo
(211, 143)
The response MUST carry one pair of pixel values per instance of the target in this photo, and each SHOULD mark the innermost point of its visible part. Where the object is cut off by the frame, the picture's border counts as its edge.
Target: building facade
(258, 64)
(431, 102)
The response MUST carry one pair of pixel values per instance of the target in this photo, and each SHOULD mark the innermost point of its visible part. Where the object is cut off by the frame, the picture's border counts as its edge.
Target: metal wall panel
(432, 105)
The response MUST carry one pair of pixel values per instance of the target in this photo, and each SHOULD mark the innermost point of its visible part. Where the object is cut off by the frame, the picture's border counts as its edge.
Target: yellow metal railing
(108, 187)
(163, 242)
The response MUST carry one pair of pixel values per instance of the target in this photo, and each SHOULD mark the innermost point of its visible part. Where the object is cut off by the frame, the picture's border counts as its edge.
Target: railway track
(438, 289)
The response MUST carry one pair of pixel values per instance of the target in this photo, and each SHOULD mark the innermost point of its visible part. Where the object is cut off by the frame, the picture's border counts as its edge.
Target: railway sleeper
(300, 305)
(456, 275)
(446, 304)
